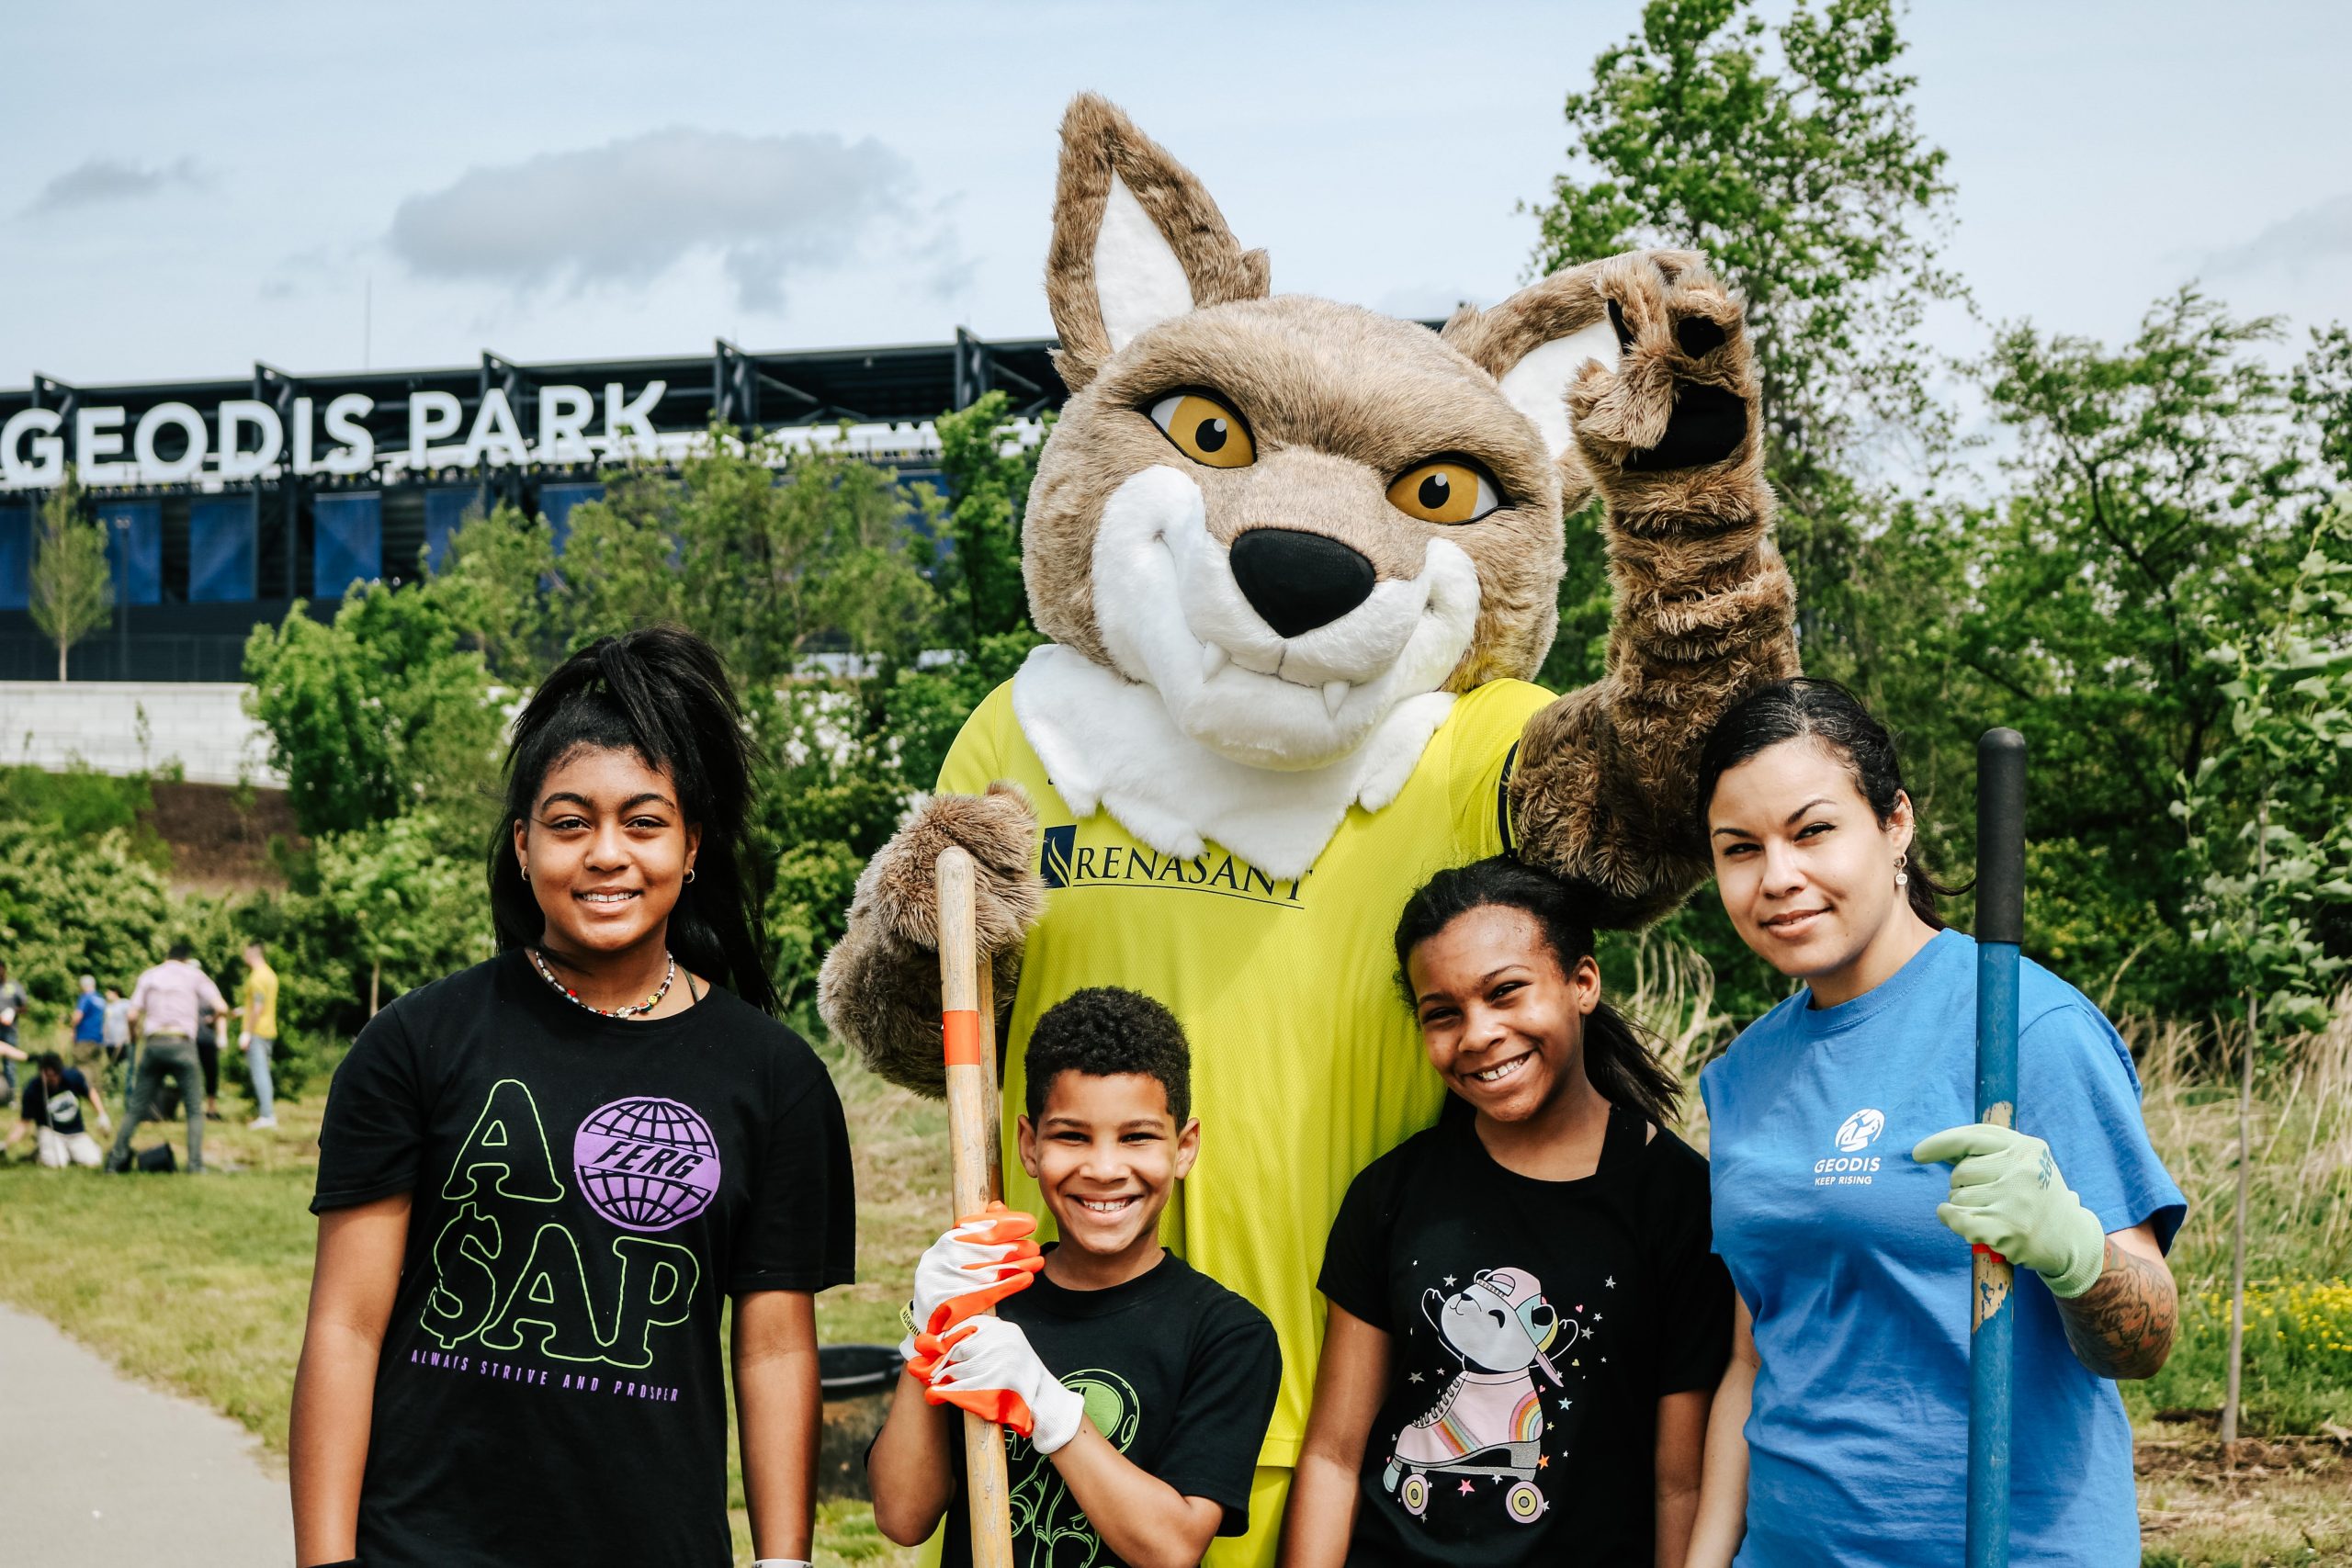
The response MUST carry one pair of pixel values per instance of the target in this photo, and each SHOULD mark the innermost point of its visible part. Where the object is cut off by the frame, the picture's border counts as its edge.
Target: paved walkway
(103, 1472)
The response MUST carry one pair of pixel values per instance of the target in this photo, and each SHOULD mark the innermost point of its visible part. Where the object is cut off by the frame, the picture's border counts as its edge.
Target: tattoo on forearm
(2122, 1326)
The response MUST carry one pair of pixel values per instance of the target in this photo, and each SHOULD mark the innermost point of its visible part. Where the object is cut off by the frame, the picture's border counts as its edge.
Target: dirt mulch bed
(218, 843)
(2275, 1500)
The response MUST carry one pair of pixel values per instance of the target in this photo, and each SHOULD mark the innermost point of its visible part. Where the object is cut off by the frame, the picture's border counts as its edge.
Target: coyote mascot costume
(1297, 562)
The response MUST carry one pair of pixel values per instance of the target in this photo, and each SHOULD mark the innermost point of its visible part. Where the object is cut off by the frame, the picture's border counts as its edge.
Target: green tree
(73, 587)
(1792, 158)
(376, 715)
(775, 571)
(491, 588)
(989, 473)
(2154, 491)
(72, 906)
(414, 910)
(2321, 391)
(2278, 845)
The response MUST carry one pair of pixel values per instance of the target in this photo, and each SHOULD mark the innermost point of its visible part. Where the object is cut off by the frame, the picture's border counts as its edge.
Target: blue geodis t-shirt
(1858, 1438)
(89, 1018)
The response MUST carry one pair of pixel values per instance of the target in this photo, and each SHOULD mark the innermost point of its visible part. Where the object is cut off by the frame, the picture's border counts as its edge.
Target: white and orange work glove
(989, 1368)
(2006, 1194)
(982, 1259)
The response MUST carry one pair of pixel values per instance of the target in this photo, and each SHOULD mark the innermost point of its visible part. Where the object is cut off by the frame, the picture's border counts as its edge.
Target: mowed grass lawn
(199, 1286)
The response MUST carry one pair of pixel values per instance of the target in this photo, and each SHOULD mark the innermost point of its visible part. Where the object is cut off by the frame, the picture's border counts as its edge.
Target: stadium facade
(226, 500)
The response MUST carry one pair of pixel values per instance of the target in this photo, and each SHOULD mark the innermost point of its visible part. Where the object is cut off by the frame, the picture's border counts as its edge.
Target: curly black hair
(1105, 1031)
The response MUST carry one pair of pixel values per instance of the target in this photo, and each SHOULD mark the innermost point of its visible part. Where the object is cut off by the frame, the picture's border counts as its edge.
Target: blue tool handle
(2000, 929)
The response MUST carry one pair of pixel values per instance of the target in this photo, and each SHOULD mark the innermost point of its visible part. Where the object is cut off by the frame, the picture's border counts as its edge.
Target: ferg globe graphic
(646, 1164)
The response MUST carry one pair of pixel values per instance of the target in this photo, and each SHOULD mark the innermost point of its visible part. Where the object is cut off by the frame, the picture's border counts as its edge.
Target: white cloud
(2316, 234)
(625, 213)
(100, 179)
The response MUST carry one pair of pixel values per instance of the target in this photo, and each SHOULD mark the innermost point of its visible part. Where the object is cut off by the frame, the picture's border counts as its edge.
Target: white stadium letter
(97, 433)
(630, 419)
(495, 436)
(235, 414)
(430, 415)
(153, 467)
(48, 466)
(357, 453)
(302, 464)
(564, 412)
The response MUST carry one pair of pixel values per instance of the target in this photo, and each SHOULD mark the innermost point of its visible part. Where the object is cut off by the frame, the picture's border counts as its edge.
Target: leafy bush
(79, 803)
(69, 908)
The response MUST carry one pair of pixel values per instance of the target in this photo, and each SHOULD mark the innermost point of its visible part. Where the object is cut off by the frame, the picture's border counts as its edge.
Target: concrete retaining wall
(127, 726)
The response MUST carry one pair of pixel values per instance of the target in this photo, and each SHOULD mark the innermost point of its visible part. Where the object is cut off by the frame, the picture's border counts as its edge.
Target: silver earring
(690, 874)
(1902, 878)
(526, 874)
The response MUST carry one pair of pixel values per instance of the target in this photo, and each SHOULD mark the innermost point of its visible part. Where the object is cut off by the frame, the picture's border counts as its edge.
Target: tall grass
(2299, 1222)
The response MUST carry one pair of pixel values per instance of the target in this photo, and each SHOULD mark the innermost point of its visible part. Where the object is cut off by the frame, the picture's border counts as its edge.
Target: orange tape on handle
(960, 1030)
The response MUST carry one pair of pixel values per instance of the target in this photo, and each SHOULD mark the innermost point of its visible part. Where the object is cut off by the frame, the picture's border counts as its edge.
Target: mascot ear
(1137, 240)
(1536, 345)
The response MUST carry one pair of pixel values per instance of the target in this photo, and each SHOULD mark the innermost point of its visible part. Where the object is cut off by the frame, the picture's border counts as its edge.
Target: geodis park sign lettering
(244, 438)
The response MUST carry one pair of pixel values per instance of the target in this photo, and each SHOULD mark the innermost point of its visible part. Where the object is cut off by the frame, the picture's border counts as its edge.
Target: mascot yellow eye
(1204, 430)
(1447, 490)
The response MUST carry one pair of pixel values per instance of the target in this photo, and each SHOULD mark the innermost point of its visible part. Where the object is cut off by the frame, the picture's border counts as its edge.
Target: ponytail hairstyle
(661, 693)
(1617, 1059)
(1832, 718)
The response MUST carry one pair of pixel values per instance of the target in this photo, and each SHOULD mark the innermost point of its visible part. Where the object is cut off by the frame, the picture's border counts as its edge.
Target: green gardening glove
(2006, 1194)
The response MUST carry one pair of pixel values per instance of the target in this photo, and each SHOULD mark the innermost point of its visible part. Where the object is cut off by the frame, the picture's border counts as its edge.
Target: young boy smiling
(1140, 1388)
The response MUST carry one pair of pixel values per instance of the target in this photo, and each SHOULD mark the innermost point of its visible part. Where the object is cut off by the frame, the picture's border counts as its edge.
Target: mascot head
(1286, 516)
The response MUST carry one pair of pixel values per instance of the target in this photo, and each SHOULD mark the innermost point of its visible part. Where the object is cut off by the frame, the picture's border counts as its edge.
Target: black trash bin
(858, 1381)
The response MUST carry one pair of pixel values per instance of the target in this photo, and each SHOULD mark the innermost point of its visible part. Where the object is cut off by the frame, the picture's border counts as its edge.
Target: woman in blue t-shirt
(1840, 1432)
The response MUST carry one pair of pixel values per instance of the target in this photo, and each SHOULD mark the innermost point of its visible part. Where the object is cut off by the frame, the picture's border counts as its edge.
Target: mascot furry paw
(1297, 560)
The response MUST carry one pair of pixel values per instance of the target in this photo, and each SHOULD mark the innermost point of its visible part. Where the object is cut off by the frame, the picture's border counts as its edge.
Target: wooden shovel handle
(968, 1035)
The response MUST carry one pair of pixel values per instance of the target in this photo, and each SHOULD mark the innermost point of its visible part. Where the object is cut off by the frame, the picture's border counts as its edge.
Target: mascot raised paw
(1297, 560)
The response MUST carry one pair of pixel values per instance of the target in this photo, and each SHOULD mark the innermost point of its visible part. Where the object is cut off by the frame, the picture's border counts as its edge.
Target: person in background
(165, 1005)
(88, 1019)
(257, 1011)
(52, 1108)
(116, 1035)
(208, 1027)
(13, 1003)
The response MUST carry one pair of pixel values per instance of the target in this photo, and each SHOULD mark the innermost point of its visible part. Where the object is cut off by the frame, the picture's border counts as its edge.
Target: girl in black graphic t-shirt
(1526, 1322)
(541, 1179)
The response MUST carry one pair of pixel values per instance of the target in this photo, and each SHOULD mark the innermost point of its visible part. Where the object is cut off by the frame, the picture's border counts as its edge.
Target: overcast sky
(191, 187)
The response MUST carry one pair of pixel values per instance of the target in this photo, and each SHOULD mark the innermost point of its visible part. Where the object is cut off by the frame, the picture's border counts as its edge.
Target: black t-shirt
(62, 1112)
(1534, 1327)
(587, 1192)
(1178, 1375)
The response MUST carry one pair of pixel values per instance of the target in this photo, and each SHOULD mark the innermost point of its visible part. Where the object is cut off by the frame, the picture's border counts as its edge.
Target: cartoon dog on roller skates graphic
(1489, 1420)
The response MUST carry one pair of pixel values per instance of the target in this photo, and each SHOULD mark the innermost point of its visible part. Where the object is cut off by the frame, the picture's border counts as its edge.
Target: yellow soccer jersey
(1305, 1064)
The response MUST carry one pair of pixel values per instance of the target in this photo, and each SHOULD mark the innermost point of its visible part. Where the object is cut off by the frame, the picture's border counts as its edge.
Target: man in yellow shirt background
(257, 1005)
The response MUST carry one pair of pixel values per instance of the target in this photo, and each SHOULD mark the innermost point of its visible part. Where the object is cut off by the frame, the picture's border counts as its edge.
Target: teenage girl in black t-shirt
(1525, 1322)
(541, 1180)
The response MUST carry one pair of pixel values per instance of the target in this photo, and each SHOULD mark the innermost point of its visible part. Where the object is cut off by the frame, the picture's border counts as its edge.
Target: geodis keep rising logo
(1851, 1166)
(1063, 862)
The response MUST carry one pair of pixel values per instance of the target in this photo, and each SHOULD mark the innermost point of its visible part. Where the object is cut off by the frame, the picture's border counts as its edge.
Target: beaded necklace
(648, 1004)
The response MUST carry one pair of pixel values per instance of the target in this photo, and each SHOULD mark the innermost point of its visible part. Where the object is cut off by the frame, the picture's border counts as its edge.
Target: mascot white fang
(1297, 562)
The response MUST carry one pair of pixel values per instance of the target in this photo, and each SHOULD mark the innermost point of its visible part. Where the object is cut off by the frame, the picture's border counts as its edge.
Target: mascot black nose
(1299, 581)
